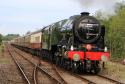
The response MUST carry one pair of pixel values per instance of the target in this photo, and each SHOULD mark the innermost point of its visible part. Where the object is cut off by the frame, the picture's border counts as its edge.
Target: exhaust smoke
(105, 6)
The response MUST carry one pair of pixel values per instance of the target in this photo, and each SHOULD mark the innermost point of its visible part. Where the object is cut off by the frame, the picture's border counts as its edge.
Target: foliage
(0, 39)
(115, 31)
(10, 37)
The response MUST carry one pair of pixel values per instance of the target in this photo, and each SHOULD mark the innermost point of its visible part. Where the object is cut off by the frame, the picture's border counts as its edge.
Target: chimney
(85, 14)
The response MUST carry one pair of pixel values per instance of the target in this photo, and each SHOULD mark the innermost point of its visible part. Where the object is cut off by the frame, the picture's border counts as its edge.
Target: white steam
(107, 6)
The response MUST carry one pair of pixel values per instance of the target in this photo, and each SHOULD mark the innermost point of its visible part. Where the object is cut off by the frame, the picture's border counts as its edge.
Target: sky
(21, 16)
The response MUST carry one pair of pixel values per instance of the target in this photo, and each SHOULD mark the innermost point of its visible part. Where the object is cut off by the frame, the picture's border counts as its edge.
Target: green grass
(0, 49)
(3, 60)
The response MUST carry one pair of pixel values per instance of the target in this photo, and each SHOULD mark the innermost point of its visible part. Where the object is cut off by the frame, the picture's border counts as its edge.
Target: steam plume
(107, 6)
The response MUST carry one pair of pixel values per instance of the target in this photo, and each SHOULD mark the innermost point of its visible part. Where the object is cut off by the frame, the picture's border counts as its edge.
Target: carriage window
(37, 39)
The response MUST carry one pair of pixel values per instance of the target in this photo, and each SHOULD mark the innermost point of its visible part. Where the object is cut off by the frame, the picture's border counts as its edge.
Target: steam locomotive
(77, 45)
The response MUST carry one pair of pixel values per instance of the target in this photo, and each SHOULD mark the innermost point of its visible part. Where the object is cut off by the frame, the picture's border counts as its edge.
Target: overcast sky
(20, 16)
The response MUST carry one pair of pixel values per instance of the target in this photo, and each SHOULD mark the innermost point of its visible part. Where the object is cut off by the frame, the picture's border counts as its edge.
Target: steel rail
(115, 81)
(59, 74)
(19, 67)
(76, 75)
(34, 75)
(82, 78)
(40, 69)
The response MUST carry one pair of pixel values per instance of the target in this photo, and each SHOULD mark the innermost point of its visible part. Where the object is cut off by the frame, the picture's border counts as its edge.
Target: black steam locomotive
(76, 43)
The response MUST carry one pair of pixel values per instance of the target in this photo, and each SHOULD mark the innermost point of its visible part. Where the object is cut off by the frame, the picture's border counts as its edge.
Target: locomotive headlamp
(104, 58)
(72, 48)
(76, 57)
(88, 47)
(105, 49)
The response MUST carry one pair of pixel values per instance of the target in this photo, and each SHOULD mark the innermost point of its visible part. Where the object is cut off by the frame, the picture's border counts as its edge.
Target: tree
(10, 37)
(28, 32)
(115, 31)
(0, 39)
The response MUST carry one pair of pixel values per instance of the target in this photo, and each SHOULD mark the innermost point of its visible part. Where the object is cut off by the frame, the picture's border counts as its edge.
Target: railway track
(35, 75)
(60, 78)
(76, 77)
(25, 77)
(115, 81)
(38, 68)
(99, 79)
(88, 79)
(59, 75)
(94, 79)
(63, 79)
